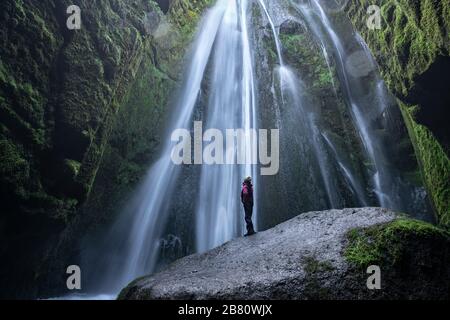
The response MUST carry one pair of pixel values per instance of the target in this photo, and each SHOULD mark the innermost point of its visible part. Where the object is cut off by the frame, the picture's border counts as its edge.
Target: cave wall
(412, 50)
(79, 110)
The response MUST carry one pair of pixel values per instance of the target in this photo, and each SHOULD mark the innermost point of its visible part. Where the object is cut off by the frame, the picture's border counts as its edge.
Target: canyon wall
(79, 113)
(412, 50)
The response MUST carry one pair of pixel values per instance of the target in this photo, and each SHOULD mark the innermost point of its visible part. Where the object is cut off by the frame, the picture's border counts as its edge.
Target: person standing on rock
(247, 201)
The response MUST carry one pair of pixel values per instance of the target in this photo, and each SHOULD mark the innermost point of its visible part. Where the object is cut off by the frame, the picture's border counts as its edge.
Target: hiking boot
(250, 233)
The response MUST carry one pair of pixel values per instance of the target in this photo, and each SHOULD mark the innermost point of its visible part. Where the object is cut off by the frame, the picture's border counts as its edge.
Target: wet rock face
(313, 256)
(292, 27)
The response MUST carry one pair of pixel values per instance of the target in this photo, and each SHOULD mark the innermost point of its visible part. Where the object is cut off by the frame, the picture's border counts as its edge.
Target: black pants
(248, 208)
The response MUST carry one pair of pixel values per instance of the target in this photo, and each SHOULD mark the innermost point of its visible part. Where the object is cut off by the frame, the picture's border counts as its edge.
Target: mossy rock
(412, 35)
(434, 164)
(389, 244)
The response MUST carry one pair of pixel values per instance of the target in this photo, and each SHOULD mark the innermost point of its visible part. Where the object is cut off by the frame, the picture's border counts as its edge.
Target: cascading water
(290, 85)
(381, 178)
(224, 86)
(356, 185)
(232, 104)
(142, 230)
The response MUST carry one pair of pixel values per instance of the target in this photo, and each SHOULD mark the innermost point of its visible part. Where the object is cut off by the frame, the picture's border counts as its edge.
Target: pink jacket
(247, 193)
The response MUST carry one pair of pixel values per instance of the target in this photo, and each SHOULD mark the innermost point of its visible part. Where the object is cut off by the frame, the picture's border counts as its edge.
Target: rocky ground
(317, 255)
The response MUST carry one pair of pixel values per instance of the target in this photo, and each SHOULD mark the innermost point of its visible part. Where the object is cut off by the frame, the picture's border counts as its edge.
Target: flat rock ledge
(316, 255)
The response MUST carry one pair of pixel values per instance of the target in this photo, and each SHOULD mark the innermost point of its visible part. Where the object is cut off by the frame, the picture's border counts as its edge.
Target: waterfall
(274, 32)
(313, 142)
(232, 104)
(142, 230)
(223, 87)
(290, 85)
(356, 185)
(381, 177)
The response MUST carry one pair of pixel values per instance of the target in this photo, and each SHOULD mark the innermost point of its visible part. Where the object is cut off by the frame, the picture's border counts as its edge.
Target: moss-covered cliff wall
(79, 110)
(412, 49)
(137, 132)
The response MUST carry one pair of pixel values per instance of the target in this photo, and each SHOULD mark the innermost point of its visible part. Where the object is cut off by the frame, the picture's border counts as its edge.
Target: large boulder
(317, 255)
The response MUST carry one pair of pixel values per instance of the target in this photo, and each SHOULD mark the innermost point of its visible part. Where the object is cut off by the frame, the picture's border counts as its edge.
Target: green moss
(134, 136)
(60, 95)
(303, 53)
(73, 167)
(257, 13)
(41, 27)
(185, 16)
(4, 75)
(14, 169)
(410, 39)
(434, 163)
(386, 243)
(325, 78)
(292, 43)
